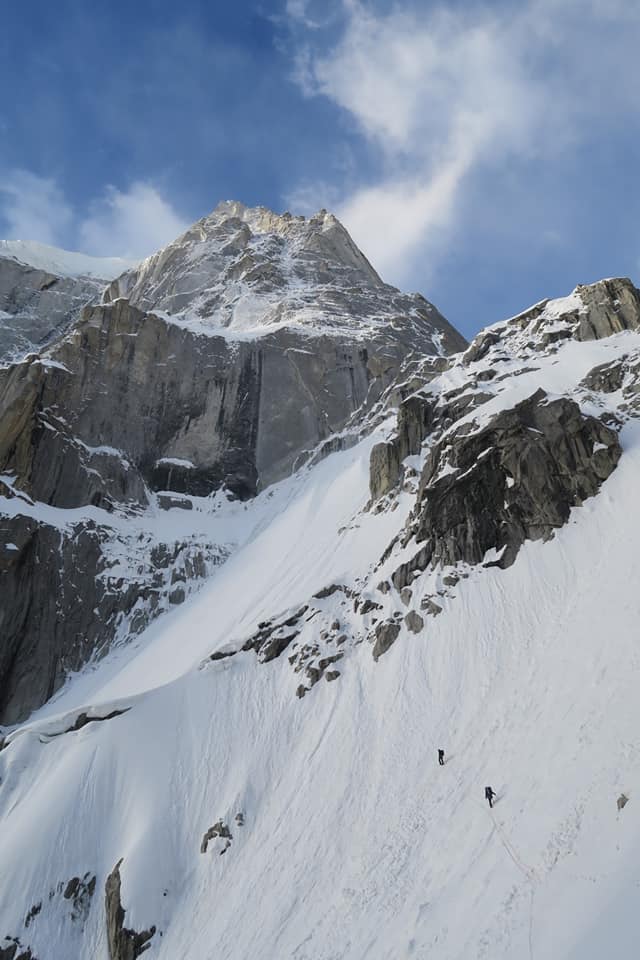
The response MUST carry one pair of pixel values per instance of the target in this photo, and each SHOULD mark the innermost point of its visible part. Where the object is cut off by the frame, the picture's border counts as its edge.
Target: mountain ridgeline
(223, 362)
(268, 525)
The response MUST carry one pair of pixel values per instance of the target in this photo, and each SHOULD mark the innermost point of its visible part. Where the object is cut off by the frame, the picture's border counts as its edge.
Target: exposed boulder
(414, 621)
(366, 606)
(218, 830)
(405, 595)
(429, 606)
(386, 634)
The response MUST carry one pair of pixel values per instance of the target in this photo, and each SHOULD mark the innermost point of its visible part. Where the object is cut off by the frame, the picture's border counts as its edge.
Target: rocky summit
(251, 345)
(273, 534)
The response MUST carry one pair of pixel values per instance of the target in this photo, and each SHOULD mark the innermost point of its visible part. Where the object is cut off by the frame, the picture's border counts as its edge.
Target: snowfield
(64, 263)
(354, 842)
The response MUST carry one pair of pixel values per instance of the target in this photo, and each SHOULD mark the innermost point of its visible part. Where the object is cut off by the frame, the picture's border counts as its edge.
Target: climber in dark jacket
(441, 757)
(489, 795)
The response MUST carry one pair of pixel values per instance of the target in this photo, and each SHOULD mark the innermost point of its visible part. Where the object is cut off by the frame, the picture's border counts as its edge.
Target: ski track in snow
(356, 844)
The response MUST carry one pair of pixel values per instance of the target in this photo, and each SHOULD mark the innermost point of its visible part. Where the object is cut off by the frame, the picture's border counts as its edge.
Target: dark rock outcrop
(11, 948)
(592, 312)
(429, 606)
(130, 403)
(610, 307)
(515, 479)
(49, 626)
(386, 634)
(606, 377)
(185, 413)
(79, 891)
(124, 944)
(37, 306)
(33, 913)
(221, 830)
(414, 621)
(415, 420)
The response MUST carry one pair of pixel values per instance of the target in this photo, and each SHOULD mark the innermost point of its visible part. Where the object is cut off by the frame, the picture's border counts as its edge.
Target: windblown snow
(64, 263)
(348, 840)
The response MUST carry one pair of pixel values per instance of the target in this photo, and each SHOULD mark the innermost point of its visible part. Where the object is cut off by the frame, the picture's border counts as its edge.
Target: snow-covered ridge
(243, 272)
(288, 716)
(64, 263)
(525, 677)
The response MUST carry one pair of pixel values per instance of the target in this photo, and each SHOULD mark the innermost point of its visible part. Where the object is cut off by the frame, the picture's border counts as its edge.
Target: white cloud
(131, 224)
(299, 10)
(437, 94)
(391, 221)
(32, 207)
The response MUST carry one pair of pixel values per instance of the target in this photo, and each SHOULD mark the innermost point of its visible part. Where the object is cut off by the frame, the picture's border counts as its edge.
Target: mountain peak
(322, 232)
(244, 271)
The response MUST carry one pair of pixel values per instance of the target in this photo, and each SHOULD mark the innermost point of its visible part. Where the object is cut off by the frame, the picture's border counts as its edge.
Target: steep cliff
(42, 290)
(219, 365)
(456, 573)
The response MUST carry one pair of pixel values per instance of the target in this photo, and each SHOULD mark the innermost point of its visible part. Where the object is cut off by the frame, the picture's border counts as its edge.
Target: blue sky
(485, 154)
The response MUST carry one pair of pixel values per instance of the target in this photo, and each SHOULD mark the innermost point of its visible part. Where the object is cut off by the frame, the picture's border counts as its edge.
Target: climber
(489, 795)
(441, 757)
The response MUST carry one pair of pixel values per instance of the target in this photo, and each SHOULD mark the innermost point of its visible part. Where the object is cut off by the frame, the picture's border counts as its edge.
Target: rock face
(134, 415)
(514, 480)
(415, 420)
(245, 269)
(489, 484)
(48, 628)
(36, 306)
(123, 944)
(222, 362)
(189, 410)
(185, 413)
(591, 312)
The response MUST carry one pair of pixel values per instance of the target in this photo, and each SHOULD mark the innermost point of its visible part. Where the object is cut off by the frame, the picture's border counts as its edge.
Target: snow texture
(64, 263)
(354, 842)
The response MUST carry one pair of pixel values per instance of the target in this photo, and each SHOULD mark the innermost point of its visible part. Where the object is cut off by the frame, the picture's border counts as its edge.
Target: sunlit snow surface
(64, 263)
(356, 844)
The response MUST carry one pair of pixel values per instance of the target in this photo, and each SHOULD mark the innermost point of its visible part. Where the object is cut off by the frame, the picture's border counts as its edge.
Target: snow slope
(64, 263)
(355, 844)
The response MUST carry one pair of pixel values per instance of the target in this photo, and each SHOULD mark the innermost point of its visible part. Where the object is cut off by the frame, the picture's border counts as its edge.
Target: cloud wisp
(134, 222)
(130, 223)
(439, 96)
(33, 208)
